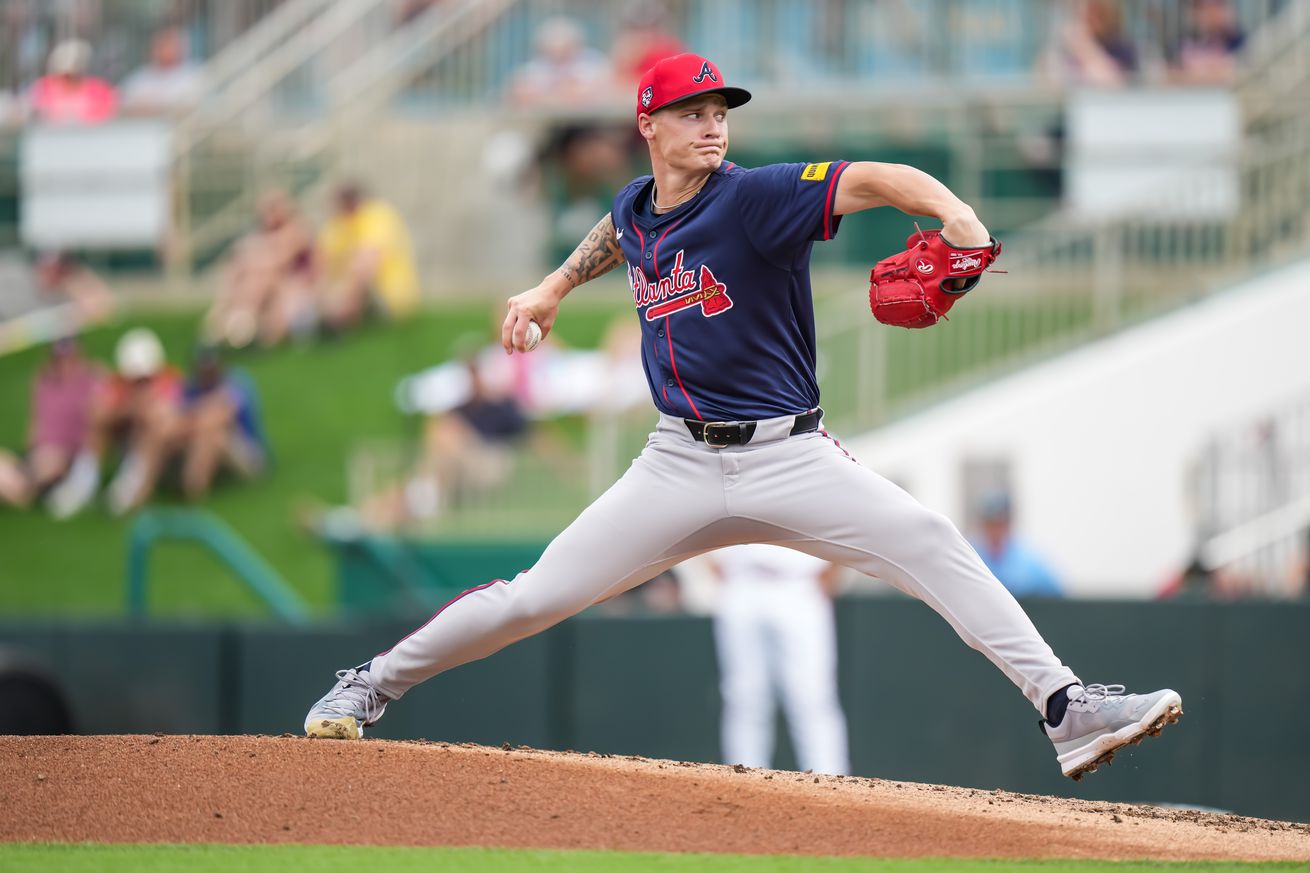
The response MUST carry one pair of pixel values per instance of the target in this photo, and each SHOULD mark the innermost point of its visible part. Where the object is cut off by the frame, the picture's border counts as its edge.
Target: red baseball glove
(917, 287)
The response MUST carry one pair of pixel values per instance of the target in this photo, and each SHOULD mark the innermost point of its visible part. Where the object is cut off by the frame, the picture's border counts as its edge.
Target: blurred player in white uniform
(777, 642)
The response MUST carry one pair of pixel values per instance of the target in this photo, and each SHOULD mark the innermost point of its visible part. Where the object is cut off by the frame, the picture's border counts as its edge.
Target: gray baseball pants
(681, 497)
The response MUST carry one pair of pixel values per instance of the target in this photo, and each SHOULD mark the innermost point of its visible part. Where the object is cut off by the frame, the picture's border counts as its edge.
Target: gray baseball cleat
(1101, 719)
(352, 705)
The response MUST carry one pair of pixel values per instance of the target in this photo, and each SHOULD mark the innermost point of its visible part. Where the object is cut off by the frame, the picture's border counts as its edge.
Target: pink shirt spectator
(74, 100)
(61, 405)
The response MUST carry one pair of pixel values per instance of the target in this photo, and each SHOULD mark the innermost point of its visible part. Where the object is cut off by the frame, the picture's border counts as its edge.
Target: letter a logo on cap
(705, 71)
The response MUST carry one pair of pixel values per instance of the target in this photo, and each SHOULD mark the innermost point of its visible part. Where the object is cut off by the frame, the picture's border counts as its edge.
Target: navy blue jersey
(722, 287)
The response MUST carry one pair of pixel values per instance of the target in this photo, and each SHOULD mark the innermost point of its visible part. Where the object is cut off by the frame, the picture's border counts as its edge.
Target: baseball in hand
(532, 337)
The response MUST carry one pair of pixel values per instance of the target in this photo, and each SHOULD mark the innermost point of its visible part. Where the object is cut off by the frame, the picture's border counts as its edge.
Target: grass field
(348, 859)
(321, 399)
(318, 400)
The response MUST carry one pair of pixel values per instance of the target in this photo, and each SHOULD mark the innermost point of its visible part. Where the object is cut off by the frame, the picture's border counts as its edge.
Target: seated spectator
(1090, 47)
(367, 262)
(1207, 54)
(67, 95)
(168, 82)
(60, 275)
(140, 409)
(1020, 569)
(266, 290)
(565, 71)
(222, 428)
(62, 393)
(466, 449)
(57, 296)
(469, 449)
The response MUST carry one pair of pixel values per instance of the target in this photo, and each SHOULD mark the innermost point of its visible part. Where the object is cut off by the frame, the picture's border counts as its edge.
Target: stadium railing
(1251, 492)
(294, 110)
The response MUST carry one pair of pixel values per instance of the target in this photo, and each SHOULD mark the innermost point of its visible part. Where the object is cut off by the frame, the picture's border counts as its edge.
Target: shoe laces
(1103, 692)
(1096, 695)
(355, 694)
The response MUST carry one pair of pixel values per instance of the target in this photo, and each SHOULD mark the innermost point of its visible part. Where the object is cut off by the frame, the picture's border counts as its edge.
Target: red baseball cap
(683, 76)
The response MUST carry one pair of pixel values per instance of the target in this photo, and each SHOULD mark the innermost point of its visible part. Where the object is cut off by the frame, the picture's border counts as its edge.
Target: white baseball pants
(681, 497)
(776, 639)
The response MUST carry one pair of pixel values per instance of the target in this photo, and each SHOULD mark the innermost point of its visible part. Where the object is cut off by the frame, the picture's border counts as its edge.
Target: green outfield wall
(921, 706)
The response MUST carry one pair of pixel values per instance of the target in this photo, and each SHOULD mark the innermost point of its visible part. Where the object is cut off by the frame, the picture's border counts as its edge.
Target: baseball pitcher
(717, 258)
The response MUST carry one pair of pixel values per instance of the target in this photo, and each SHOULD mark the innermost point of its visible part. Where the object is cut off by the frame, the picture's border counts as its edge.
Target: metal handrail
(213, 114)
(207, 530)
(240, 57)
(1255, 535)
(1073, 278)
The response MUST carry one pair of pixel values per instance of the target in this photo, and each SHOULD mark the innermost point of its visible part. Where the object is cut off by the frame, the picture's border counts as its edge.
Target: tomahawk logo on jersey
(680, 285)
(723, 288)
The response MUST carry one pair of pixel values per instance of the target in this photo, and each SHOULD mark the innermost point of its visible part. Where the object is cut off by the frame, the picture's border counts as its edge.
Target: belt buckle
(710, 424)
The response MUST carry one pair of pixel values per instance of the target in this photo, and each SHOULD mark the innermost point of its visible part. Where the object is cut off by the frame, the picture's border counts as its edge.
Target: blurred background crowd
(262, 174)
(254, 253)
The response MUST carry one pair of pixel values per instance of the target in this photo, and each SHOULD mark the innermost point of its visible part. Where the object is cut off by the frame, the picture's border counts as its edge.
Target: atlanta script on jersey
(723, 289)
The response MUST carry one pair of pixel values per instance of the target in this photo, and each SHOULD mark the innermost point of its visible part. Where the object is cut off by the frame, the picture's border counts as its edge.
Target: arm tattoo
(595, 256)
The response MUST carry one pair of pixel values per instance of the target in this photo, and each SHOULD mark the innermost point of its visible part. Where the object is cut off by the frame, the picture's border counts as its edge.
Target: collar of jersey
(683, 208)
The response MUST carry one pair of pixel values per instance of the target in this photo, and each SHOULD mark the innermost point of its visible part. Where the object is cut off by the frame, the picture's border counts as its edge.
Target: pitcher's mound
(180, 789)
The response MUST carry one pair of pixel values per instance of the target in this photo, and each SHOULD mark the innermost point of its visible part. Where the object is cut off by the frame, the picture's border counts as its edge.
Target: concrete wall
(1100, 440)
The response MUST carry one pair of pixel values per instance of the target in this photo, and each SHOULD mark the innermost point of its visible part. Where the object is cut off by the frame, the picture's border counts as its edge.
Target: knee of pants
(536, 607)
(816, 699)
(748, 708)
(928, 534)
(747, 691)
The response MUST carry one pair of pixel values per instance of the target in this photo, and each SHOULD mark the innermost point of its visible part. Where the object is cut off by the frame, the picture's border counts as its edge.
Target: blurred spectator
(469, 449)
(62, 393)
(67, 95)
(775, 634)
(24, 43)
(552, 381)
(643, 40)
(59, 274)
(1020, 569)
(222, 427)
(584, 165)
(465, 450)
(367, 261)
(140, 410)
(1207, 53)
(1090, 46)
(564, 72)
(169, 81)
(54, 297)
(266, 290)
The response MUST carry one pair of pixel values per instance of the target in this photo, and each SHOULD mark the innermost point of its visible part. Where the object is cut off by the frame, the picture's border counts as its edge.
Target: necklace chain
(690, 194)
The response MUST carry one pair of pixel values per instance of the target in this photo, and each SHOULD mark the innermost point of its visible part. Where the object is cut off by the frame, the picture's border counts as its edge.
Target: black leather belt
(721, 434)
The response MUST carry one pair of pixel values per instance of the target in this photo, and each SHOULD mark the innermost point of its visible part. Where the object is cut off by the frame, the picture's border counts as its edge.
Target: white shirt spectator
(167, 83)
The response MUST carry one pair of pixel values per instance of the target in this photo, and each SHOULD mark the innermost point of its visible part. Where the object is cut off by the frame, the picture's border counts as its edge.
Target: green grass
(317, 401)
(320, 400)
(348, 859)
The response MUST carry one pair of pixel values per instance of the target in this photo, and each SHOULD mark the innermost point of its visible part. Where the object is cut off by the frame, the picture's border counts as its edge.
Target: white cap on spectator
(139, 353)
(70, 57)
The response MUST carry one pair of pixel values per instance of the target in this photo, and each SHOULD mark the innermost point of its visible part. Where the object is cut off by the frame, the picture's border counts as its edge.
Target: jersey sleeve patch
(815, 172)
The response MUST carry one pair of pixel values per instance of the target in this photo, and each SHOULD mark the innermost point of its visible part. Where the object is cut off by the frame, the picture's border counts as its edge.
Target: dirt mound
(275, 790)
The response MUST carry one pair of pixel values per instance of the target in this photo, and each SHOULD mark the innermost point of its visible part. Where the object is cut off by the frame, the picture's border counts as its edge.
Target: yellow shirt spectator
(373, 226)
